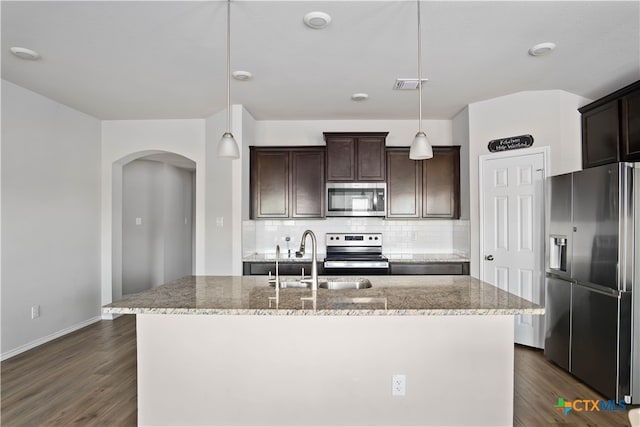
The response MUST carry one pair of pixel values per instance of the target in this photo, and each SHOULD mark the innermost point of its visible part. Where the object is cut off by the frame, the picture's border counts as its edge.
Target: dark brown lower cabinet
(434, 268)
(287, 182)
(424, 188)
(284, 268)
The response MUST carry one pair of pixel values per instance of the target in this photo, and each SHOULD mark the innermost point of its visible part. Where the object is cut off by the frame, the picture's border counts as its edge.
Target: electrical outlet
(398, 385)
(35, 311)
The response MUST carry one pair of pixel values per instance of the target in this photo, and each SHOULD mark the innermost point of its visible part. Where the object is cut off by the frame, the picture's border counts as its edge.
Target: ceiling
(166, 59)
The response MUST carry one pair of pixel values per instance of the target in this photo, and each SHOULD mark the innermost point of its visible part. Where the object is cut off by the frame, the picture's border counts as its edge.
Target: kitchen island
(212, 352)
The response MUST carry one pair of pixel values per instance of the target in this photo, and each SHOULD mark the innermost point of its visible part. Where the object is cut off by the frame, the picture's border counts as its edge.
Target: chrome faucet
(314, 266)
(277, 282)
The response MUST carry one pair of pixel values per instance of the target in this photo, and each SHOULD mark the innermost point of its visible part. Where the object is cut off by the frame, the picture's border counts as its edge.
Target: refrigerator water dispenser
(558, 253)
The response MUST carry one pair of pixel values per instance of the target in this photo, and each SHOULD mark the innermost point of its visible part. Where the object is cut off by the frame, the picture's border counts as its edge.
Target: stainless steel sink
(345, 283)
(290, 283)
(324, 283)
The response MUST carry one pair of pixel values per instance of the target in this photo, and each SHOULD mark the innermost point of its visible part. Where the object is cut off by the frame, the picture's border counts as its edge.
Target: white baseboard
(40, 341)
(110, 316)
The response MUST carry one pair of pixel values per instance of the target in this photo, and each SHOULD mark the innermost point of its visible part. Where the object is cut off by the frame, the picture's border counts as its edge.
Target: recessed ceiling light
(317, 20)
(243, 76)
(24, 53)
(408, 84)
(359, 96)
(542, 49)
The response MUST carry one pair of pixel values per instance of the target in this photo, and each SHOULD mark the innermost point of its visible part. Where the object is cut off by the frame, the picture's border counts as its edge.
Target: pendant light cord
(419, 70)
(229, 66)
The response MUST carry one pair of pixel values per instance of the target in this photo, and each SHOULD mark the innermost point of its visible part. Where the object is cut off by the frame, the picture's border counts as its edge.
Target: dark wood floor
(88, 378)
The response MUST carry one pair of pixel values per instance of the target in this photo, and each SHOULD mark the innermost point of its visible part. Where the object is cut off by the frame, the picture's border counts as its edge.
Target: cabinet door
(600, 135)
(441, 184)
(341, 159)
(269, 183)
(428, 268)
(404, 185)
(370, 159)
(307, 183)
(630, 147)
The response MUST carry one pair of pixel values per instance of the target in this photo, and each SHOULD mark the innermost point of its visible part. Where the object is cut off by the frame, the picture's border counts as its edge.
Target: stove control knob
(370, 238)
(338, 238)
(330, 238)
(376, 238)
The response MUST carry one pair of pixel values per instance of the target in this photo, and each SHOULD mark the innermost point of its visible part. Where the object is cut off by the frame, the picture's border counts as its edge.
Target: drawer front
(284, 268)
(435, 268)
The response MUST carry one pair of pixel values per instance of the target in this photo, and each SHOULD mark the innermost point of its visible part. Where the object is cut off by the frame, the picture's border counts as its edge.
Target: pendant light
(420, 147)
(228, 147)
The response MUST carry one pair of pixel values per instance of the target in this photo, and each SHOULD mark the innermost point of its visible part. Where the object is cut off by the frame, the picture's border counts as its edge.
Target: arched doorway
(153, 210)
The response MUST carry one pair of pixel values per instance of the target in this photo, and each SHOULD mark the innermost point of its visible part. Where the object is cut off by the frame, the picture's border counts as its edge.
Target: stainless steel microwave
(356, 199)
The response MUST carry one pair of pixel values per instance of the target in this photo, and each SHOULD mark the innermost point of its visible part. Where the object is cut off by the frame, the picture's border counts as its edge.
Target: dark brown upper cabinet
(307, 183)
(441, 184)
(404, 185)
(287, 182)
(355, 156)
(611, 128)
(600, 135)
(630, 147)
(423, 188)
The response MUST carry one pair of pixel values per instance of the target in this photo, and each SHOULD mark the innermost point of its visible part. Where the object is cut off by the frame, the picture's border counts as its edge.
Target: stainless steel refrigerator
(592, 321)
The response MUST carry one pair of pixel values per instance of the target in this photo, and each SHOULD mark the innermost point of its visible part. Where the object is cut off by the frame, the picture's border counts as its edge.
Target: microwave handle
(375, 201)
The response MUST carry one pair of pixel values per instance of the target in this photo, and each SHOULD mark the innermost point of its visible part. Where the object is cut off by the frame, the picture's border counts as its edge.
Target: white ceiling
(166, 59)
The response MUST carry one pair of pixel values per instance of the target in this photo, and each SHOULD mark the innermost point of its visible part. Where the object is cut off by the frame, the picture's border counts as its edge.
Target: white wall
(218, 203)
(50, 218)
(551, 117)
(157, 248)
(178, 223)
(124, 141)
(309, 132)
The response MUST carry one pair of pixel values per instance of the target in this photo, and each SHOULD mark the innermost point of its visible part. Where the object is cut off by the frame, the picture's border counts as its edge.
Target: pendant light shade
(420, 147)
(228, 147)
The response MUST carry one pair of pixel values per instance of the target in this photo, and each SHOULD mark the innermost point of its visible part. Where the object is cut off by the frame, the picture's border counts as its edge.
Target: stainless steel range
(354, 254)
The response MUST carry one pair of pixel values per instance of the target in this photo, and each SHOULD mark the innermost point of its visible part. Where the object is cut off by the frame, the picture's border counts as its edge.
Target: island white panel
(337, 370)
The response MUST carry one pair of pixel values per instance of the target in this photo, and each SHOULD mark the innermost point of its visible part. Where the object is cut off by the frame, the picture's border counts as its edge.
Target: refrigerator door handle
(600, 289)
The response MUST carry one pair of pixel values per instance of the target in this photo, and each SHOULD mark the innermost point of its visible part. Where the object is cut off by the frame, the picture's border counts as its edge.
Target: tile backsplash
(399, 237)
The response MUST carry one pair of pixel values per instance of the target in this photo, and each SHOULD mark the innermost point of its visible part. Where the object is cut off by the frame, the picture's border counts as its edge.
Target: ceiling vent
(407, 84)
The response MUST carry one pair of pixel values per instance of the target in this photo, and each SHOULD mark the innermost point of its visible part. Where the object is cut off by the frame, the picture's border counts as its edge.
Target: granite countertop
(271, 257)
(426, 257)
(404, 295)
(404, 258)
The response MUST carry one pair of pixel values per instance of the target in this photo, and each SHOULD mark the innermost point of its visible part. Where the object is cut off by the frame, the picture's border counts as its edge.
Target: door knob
(489, 257)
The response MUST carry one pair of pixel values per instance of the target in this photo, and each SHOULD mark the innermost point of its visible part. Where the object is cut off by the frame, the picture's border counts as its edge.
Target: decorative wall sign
(511, 143)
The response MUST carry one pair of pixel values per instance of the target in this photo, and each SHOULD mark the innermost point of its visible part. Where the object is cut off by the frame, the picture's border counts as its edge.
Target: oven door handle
(356, 264)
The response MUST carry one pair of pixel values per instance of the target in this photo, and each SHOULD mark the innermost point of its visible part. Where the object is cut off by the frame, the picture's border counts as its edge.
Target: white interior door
(512, 233)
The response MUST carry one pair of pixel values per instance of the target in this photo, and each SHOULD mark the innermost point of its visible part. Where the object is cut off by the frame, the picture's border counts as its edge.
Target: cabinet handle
(489, 257)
